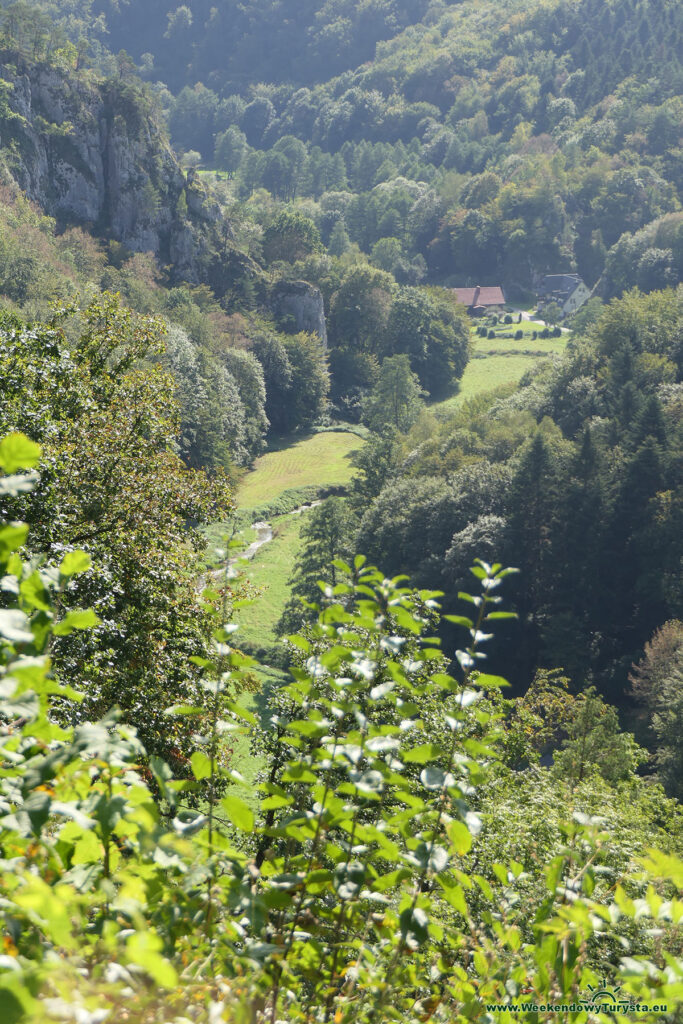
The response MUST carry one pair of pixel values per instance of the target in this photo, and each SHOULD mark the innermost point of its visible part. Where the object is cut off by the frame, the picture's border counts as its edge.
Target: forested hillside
(496, 142)
(341, 625)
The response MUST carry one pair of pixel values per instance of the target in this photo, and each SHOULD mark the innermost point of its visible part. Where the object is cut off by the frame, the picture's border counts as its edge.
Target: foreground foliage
(348, 895)
(112, 484)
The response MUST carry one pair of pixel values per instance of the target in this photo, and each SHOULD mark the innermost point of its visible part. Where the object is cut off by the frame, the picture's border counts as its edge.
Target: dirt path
(264, 535)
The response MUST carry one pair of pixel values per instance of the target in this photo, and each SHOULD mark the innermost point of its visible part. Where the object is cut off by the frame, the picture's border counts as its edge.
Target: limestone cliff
(299, 305)
(94, 153)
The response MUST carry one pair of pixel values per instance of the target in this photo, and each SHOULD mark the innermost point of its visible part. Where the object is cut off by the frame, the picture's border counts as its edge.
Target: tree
(396, 399)
(657, 684)
(339, 242)
(247, 372)
(290, 237)
(375, 462)
(113, 485)
(360, 307)
(212, 415)
(310, 380)
(191, 119)
(667, 724)
(342, 748)
(552, 314)
(595, 741)
(271, 352)
(179, 22)
(327, 535)
(434, 332)
(229, 150)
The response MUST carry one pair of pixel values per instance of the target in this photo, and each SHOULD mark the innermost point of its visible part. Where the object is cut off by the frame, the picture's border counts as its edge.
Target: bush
(344, 892)
(545, 333)
(507, 319)
(519, 335)
(491, 334)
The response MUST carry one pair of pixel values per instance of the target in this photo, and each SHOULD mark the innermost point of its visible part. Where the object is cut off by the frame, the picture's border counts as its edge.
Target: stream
(264, 535)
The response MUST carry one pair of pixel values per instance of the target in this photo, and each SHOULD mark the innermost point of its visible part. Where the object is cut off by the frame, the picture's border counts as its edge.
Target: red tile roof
(490, 295)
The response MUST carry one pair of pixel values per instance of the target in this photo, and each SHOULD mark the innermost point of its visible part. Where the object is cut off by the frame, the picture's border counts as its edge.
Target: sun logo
(599, 993)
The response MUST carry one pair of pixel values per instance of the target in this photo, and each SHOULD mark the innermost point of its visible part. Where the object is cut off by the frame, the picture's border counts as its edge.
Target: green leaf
(484, 886)
(12, 537)
(239, 813)
(34, 592)
(187, 823)
(433, 777)
(143, 950)
(242, 713)
(74, 563)
(163, 775)
(490, 682)
(455, 896)
(17, 452)
(273, 803)
(422, 754)
(37, 807)
(460, 837)
(460, 620)
(201, 765)
(15, 1000)
(88, 850)
(77, 619)
(430, 857)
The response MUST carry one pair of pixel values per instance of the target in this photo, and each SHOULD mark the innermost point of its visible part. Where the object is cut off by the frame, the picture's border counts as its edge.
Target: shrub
(507, 319)
(519, 335)
(344, 893)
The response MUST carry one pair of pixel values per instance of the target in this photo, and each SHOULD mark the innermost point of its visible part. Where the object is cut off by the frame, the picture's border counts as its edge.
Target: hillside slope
(95, 152)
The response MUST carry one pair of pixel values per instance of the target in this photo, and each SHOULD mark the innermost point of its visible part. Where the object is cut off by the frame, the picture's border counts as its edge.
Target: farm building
(567, 290)
(481, 300)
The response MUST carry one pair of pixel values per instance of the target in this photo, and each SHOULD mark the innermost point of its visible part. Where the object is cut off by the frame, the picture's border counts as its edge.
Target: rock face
(299, 305)
(94, 153)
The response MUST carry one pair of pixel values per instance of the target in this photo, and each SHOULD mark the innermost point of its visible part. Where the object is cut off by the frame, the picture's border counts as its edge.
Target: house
(567, 290)
(480, 301)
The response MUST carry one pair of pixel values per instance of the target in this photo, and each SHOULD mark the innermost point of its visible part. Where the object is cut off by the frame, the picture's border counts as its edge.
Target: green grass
(505, 361)
(322, 460)
(485, 375)
(270, 569)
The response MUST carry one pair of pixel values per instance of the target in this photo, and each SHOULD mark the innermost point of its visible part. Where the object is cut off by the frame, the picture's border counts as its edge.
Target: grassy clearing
(485, 375)
(505, 361)
(322, 460)
(269, 570)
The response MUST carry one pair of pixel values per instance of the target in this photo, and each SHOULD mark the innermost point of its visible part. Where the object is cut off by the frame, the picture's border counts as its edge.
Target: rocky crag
(298, 306)
(94, 153)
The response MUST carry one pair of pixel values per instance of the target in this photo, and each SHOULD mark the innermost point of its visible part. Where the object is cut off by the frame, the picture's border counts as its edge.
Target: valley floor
(324, 460)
